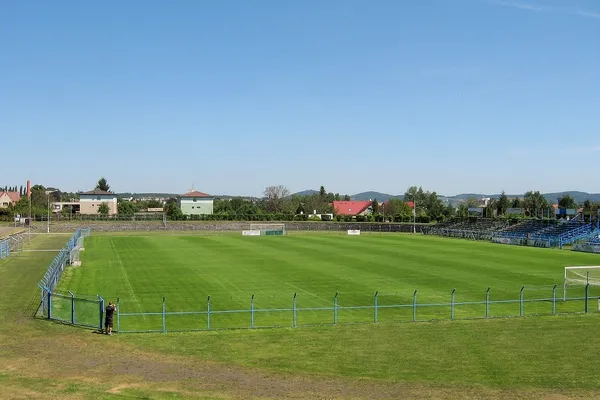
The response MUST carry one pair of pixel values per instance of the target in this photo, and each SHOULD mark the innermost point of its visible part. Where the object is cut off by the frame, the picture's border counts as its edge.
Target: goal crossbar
(581, 275)
(265, 228)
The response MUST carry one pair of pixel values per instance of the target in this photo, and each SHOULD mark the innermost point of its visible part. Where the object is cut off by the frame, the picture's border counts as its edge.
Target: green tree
(566, 201)
(587, 205)
(103, 209)
(173, 211)
(103, 185)
(502, 204)
(126, 208)
(322, 192)
(66, 211)
(375, 206)
(535, 203)
(516, 203)
(275, 197)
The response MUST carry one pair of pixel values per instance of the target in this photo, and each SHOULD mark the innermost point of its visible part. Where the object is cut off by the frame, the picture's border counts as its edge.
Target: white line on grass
(126, 278)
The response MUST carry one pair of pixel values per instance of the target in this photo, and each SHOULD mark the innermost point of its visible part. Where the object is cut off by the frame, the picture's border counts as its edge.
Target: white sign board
(353, 232)
(251, 233)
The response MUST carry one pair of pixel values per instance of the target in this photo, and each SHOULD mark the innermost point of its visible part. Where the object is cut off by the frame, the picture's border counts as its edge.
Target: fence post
(554, 300)
(252, 312)
(118, 315)
(294, 311)
(487, 302)
(208, 313)
(521, 303)
(72, 308)
(49, 304)
(587, 291)
(452, 305)
(376, 317)
(164, 315)
(101, 304)
(415, 305)
(335, 308)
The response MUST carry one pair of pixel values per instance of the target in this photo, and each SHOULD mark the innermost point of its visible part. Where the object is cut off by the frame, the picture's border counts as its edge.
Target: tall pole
(48, 222)
(415, 213)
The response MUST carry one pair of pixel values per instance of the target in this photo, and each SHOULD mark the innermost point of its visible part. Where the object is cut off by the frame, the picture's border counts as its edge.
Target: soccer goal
(74, 259)
(269, 229)
(581, 276)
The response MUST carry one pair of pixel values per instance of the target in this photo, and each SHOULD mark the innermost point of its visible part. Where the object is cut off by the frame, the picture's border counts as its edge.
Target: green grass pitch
(142, 269)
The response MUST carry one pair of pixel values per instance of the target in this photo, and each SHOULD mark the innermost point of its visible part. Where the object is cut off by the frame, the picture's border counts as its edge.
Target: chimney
(29, 189)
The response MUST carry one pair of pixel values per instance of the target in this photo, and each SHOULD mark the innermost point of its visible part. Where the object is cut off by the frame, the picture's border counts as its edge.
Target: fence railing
(376, 308)
(54, 271)
(4, 248)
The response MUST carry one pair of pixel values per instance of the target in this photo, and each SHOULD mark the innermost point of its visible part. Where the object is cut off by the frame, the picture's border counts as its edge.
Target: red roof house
(351, 207)
(195, 193)
(9, 197)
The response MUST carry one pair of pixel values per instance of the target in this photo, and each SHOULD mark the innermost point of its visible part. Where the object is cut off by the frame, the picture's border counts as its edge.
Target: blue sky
(232, 96)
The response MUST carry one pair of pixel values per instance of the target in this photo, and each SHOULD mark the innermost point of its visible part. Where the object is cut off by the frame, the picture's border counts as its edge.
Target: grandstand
(543, 233)
(476, 229)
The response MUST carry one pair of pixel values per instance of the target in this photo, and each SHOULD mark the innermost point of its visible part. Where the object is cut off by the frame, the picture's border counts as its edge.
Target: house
(90, 201)
(196, 203)
(353, 208)
(9, 198)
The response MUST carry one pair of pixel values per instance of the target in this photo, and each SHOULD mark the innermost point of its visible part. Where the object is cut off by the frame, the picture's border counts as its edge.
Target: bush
(360, 218)
(325, 217)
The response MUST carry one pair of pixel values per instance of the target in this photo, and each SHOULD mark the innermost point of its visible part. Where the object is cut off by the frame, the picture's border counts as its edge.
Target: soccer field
(142, 269)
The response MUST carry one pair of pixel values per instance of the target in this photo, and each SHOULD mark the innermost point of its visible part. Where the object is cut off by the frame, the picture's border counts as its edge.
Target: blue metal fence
(52, 275)
(340, 312)
(4, 248)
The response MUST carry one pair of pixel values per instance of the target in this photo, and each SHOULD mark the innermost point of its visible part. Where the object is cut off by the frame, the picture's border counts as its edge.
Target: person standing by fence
(108, 318)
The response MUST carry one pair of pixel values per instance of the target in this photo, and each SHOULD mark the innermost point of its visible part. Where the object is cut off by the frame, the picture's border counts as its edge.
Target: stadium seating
(479, 229)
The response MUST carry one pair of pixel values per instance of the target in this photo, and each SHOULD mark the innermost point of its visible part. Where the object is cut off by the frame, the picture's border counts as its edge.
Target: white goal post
(269, 229)
(581, 276)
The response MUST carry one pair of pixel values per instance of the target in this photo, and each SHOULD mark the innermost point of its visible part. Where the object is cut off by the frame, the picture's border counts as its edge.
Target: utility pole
(48, 224)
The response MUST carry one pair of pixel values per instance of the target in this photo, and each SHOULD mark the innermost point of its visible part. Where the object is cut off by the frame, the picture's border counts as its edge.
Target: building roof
(98, 192)
(14, 196)
(351, 207)
(195, 193)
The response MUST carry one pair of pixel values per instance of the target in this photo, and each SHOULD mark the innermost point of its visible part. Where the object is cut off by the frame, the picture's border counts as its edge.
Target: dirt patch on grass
(69, 355)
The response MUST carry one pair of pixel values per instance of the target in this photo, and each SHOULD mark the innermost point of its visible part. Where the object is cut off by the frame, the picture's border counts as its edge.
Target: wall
(209, 226)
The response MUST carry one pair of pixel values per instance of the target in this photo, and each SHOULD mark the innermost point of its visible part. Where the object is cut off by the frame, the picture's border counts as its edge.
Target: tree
(173, 211)
(587, 205)
(322, 192)
(103, 209)
(535, 203)
(566, 202)
(502, 204)
(375, 206)
(516, 203)
(103, 185)
(126, 208)
(275, 196)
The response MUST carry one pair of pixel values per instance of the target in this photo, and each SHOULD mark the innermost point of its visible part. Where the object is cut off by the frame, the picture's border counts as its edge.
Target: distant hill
(552, 198)
(375, 195)
(309, 192)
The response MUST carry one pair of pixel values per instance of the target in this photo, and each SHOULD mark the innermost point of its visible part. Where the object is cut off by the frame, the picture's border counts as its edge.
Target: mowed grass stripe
(186, 269)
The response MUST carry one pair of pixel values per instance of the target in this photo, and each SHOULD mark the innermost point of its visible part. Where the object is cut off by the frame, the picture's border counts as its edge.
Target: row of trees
(20, 189)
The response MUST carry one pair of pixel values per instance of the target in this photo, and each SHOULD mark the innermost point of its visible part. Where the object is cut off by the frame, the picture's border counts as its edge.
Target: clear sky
(233, 95)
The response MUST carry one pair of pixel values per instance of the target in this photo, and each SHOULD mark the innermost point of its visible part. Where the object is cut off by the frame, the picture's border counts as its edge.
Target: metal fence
(4, 248)
(342, 309)
(54, 271)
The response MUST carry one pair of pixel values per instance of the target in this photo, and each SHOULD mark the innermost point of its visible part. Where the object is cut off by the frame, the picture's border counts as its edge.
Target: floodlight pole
(48, 222)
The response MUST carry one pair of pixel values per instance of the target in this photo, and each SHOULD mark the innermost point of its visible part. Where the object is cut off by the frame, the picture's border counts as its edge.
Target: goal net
(269, 229)
(74, 259)
(581, 276)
